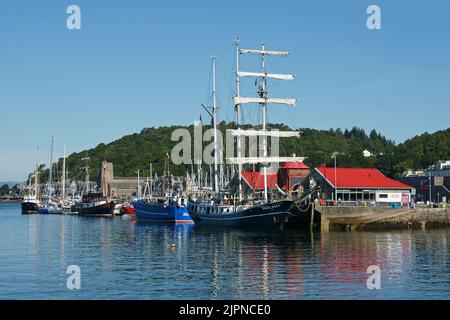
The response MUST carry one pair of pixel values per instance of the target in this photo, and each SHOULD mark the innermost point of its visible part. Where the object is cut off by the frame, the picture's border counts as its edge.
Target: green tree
(4, 190)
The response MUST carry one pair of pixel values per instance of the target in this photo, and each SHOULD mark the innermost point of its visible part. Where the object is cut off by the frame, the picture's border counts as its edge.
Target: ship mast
(214, 110)
(238, 117)
(263, 101)
(86, 168)
(36, 176)
(151, 180)
(50, 170)
(262, 94)
(166, 181)
(63, 180)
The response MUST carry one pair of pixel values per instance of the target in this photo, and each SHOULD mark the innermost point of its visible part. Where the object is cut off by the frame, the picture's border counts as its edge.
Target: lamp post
(429, 187)
(334, 155)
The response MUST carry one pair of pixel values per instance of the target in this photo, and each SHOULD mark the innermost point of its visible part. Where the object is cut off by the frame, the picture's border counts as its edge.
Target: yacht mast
(238, 117)
(50, 170)
(214, 109)
(36, 176)
(86, 168)
(138, 185)
(63, 180)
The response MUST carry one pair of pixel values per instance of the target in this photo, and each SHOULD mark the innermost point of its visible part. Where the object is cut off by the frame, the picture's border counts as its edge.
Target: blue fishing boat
(174, 211)
(170, 208)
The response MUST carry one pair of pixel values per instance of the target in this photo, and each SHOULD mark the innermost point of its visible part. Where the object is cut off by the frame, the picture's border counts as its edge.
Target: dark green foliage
(137, 151)
(4, 190)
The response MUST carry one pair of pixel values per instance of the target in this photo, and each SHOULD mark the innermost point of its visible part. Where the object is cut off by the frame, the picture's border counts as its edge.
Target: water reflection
(132, 260)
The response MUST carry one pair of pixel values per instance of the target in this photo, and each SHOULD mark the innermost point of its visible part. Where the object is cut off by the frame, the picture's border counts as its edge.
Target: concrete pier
(365, 218)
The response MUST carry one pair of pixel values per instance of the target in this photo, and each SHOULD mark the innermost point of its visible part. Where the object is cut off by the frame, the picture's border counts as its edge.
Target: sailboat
(50, 206)
(251, 212)
(170, 208)
(31, 203)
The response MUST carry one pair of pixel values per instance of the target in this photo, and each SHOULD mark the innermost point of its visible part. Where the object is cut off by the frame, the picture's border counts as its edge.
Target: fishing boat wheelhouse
(94, 204)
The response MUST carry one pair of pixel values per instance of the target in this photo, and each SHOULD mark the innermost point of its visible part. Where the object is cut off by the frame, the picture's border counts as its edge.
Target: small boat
(172, 210)
(30, 205)
(117, 210)
(50, 209)
(49, 206)
(94, 204)
(128, 209)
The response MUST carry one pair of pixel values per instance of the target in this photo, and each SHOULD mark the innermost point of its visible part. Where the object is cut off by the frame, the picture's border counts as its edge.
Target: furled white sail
(241, 100)
(264, 160)
(269, 133)
(279, 53)
(267, 75)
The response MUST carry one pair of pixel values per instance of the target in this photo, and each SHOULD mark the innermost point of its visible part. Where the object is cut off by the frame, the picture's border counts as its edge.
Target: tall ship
(30, 203)
(171, 208)
(223, 207)
(93, 204)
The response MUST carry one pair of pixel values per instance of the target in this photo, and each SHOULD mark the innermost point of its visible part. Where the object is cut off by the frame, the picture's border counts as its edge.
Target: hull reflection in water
(133, 260)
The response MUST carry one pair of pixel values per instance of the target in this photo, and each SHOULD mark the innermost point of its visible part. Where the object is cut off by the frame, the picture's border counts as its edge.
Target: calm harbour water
(128, 260)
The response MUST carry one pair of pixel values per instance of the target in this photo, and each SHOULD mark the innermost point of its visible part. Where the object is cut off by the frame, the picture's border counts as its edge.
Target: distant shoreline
(14, 200)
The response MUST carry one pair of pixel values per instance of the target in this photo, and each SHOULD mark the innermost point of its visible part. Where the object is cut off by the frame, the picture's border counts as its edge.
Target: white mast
(138, 185)
(36, 175)
(151, 180)
(86, 183)
(263, 101)
(264, 116)
(63, 180)
(168, 180)
(214, 109)
(238, 117)
(50, 170)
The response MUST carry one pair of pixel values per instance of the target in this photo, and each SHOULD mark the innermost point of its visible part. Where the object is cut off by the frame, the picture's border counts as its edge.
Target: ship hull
(29, 207)
(149, 212)
(50, 211)
(101, 210)
(272, 214)
(128, 210)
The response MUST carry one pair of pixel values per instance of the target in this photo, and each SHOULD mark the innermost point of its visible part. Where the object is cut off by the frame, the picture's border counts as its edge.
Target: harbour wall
(369, 218)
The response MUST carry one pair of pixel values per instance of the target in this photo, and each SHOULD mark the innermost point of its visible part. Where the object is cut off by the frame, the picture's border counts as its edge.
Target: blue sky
(137, 64)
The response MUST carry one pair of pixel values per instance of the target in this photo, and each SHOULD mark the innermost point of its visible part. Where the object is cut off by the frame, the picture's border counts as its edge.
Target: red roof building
(359, 178)
(291, 174)
(358, 184)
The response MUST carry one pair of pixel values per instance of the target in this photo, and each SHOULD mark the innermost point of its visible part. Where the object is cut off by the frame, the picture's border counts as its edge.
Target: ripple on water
(129, 260)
